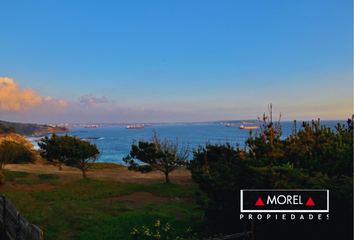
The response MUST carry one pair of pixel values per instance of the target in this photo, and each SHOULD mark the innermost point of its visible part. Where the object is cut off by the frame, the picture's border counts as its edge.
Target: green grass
(103, 219)
(176, 210)
(49, 176)
(61, 217)
(170, 190)
(30, 179)
(12, 175)
(86, 189)
(121, 228)
(87, 209)
(24, 202)
(55, 183)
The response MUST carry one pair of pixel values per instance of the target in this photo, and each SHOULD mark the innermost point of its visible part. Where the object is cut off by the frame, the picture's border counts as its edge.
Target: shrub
(159, 231)
(313, 157)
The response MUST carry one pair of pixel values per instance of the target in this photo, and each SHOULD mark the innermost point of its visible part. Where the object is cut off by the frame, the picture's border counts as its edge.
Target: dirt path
(181, 177)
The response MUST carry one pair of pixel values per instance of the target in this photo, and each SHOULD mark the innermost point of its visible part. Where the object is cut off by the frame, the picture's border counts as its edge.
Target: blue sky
(170, 61)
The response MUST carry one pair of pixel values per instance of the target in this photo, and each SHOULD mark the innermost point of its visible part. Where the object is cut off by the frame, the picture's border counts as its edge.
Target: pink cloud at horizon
(13, 98)
(22, 104)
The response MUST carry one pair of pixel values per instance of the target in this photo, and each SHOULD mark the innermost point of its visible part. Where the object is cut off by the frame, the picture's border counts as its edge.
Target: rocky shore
(46, 130)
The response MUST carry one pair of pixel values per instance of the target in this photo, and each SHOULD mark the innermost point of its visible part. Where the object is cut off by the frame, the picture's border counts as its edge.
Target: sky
(175, 61)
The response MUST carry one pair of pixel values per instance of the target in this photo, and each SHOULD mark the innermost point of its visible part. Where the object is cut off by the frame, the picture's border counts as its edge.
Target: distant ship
(247, 123)
(92, 126)
(230, 125)
(148, 125)
(134, 127)
(248, 127)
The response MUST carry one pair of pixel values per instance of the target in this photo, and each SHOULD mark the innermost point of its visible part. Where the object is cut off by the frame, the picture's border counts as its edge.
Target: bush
(69, 150)
(25, 156)
(12, 175)
(313, 157)
(160, 231)
(221, 172)
(13, 152)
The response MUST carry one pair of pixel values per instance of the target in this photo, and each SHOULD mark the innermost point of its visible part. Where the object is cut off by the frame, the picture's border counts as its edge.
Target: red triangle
(259, 202)
(310, 202)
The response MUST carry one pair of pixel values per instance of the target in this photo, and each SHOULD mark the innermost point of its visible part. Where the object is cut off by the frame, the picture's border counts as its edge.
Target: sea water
(115, 142)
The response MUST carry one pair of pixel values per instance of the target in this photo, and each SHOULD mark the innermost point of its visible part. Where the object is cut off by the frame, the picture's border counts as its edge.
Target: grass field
(95, 209)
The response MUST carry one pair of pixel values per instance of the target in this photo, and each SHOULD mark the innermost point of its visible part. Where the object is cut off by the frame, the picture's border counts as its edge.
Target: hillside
(34, 130)
(13, 137)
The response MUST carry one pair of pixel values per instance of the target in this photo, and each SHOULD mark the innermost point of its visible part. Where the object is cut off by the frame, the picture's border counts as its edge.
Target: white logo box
(283, 190)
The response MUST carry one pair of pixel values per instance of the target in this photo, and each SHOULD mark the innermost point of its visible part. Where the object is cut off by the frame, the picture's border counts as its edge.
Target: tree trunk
(167, 179)
(84, 172)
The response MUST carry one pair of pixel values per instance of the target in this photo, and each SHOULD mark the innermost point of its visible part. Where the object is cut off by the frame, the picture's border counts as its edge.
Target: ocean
(115, 142)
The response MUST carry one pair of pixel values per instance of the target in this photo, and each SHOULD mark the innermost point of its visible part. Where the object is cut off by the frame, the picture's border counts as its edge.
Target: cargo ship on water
(248, 127)
(232, 125)
(135, 127)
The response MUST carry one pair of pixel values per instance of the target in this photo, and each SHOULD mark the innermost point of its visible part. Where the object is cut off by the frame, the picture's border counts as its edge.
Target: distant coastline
(35, 130)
